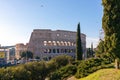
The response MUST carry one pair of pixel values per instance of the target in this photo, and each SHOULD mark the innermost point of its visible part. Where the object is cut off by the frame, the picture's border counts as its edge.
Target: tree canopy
(27, 54)
(111, 27)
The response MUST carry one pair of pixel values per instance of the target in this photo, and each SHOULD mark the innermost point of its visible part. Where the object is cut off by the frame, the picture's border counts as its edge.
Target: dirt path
(72, 78)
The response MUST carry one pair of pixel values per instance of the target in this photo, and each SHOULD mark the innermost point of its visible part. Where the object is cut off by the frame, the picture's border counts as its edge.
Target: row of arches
(59, 43)
(59, 50)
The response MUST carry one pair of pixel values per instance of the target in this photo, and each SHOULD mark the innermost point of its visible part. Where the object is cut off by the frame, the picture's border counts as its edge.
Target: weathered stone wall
(46, 43)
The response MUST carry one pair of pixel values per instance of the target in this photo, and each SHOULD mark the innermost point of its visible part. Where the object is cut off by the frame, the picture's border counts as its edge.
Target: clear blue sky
(18, 18)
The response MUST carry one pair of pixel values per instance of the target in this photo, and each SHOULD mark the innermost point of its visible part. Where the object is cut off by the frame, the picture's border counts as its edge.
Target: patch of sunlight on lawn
(104, 74)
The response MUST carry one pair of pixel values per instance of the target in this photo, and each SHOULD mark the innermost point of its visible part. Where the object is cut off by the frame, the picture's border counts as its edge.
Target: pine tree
(79, 51)
(111, 26)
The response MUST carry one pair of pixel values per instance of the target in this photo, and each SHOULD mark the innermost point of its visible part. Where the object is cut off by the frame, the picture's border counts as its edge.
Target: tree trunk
(117, 63)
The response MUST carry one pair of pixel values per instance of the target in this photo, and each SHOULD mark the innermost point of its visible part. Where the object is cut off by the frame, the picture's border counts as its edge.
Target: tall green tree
(88, 52)
(79, 51)
(92, 50)
(111, 26)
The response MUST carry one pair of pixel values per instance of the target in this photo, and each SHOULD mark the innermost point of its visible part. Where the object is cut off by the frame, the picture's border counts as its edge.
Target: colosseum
(47, 43)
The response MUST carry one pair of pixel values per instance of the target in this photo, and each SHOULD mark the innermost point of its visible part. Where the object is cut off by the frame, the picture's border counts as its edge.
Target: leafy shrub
(28, 71)
(35, 70)
(62, 60)
(51, 66)
(89, 66)
(55, 76)
(38, 70)
(64, 72)
(20, 73)
(14, 73)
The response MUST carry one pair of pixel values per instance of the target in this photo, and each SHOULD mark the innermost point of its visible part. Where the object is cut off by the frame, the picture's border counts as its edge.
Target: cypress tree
(88, 52)
(111, 26)
(79, 51)
(92, 51)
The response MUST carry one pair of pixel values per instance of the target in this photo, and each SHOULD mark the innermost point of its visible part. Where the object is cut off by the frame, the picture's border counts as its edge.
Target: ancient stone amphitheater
(47, 43)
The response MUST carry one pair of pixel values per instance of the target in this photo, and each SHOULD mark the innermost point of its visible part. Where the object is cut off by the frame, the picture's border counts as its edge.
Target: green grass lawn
(104, 74)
